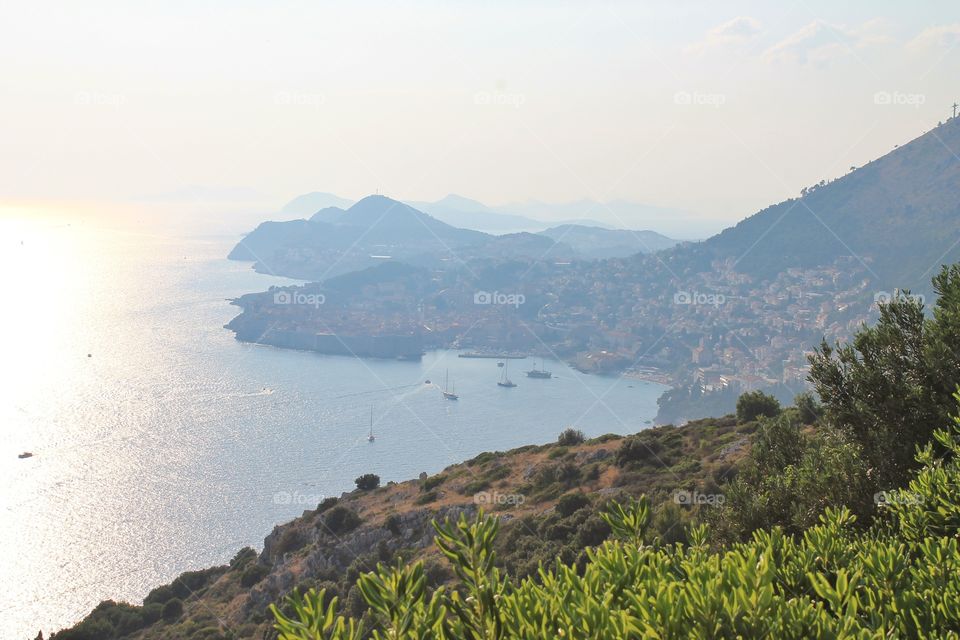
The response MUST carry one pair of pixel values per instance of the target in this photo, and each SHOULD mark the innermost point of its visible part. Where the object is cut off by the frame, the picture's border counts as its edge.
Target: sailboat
(538, 373)
(505, 376)
(448, 391)
(371, 437)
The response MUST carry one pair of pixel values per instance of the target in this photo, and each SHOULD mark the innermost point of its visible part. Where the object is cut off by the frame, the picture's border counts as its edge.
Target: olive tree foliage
(892, 385)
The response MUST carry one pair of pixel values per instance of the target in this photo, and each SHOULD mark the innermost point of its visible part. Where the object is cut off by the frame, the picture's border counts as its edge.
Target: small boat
(449, 392)
(426, 381)
(505, 378)
(539, 373)
(371, 437)
(25, 454)
(499, 364)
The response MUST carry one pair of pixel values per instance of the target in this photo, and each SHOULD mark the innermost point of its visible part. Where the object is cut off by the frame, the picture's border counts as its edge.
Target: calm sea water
(162, 444)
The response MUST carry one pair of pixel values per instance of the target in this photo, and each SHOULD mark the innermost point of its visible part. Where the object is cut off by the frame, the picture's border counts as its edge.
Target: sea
(161, 444)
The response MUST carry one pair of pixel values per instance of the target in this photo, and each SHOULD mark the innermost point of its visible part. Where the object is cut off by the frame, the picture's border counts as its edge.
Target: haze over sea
(172, 445)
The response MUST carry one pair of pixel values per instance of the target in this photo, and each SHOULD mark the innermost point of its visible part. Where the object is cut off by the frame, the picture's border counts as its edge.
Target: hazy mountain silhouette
(899, 215)
(471, 214)
(594, 242)
(309, 203)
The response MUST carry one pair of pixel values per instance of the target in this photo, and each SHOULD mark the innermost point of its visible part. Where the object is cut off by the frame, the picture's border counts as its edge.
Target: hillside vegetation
(832, 520)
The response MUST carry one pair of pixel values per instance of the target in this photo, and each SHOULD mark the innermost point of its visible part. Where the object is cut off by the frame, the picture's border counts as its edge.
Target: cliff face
(530, 488)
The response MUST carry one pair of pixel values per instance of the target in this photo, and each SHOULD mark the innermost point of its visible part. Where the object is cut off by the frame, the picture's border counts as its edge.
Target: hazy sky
(719, 108)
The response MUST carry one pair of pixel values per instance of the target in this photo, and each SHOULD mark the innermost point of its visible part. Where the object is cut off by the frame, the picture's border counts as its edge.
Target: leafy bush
(252, 575)
(339, 520)
(160, 595)
(570, 437)
(475, 486)
(639, 448)
(571, 502)
(431, 483)
(327, 503)
(368, 482)
(173, 609)
(892, 385)
(242, 558)
(788, 480)
(756, 404)
(426, 498)
(557, 452)
(290, 540)
(567, 473)
(152, 612)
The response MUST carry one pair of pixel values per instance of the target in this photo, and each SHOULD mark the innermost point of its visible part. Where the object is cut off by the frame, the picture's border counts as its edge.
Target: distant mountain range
(310, 203)
(532, 216)
(336, 240)
(471, 214)
(596, 242)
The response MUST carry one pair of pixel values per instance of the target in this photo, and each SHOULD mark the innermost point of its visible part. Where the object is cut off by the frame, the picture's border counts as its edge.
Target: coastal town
(716, 330)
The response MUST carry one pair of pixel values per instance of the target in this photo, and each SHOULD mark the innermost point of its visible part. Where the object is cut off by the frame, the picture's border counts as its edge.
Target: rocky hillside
(547, 496)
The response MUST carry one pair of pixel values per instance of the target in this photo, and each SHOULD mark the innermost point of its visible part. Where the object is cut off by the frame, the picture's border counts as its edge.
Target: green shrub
(570, 437)
(152, 612)
(432, 482)
(242, 558)
(368, 482)
(593, 531)
(475, 486)
(557, 452)
(571, 502)
(160, 595)
(326, 504)
(567, 473)
(426, 498)
(252, 575)
(639, 448)
(754, 404)
(339, 520)
(290, 540)
(173, 609)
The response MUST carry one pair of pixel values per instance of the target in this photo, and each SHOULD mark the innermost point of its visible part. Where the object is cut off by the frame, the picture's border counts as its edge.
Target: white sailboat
(449, 392)
(371, 437)
(505, 380)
